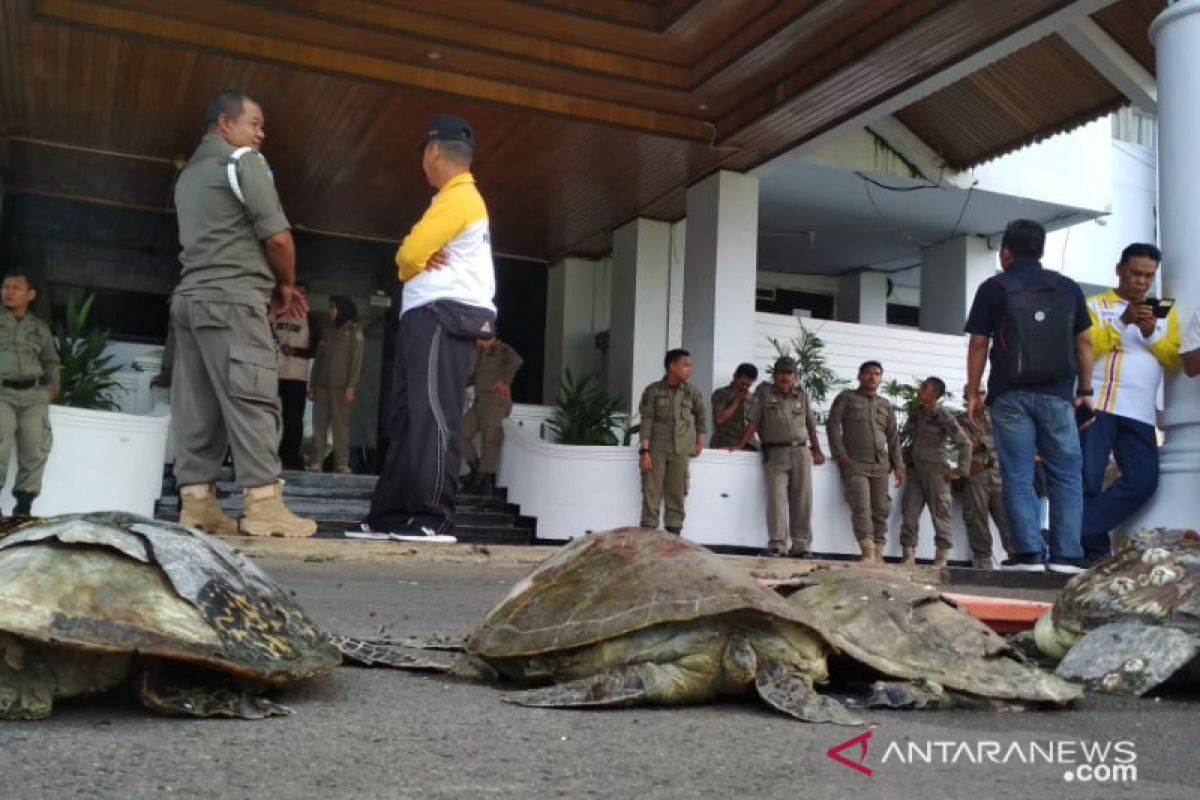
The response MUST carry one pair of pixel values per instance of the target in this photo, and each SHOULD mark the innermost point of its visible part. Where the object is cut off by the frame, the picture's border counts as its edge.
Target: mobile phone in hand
(1083, 415)
(1160, 306)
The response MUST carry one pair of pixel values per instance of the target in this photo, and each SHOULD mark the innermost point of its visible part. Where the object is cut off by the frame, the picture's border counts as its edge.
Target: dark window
(903, 315)
(127, 316)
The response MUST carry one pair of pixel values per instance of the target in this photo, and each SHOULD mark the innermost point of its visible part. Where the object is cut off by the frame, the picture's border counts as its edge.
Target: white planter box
(100, 461)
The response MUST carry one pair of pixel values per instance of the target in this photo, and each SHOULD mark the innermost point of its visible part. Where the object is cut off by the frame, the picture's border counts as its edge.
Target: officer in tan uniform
(238, 261)
(334, 383)
(672, 432)
(864, 440)
(493, 367)
(782, 416)
(28, 383)
(981, 490)
(927, 430)
(730, 408)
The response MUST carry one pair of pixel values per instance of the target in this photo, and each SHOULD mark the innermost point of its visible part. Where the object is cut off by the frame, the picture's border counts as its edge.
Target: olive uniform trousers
(665, 484)
(25, 422)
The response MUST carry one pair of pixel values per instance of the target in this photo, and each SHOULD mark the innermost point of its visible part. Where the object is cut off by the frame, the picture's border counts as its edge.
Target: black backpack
(1035, 342)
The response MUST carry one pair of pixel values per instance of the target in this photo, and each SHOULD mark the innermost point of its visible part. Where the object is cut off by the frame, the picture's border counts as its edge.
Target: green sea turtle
(636, 616)
(928, 651)
(91, 601)
(1133, 620)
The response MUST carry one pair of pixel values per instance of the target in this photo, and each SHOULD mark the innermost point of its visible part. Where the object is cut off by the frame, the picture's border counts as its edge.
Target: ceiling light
(434, 55)
(702, 107)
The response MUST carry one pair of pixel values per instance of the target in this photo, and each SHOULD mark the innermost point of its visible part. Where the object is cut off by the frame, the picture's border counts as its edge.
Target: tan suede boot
(942, 559)
(869, 554)
(264, 514)
(200, 509)
(908, 555)
(983, 562)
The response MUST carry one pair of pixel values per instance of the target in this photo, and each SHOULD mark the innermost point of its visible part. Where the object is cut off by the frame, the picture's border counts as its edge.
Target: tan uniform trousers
(981, 496)
(224, 392)
(926, 486)
(866, 490)
(25, 421)
(789, 498)
(667, 483)
(329, 411)
(484, 419)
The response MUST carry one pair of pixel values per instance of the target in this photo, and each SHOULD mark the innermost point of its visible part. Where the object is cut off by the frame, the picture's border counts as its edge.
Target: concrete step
(338, 508)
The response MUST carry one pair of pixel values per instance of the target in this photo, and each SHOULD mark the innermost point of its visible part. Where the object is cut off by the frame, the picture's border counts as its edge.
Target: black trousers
(419, 478)
(292, 397)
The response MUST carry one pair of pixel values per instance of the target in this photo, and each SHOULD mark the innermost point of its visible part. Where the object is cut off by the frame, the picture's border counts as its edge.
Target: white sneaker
(365, 532)
(425, 534)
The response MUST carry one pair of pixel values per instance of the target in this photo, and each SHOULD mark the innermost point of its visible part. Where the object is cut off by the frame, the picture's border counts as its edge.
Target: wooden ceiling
(587, 113)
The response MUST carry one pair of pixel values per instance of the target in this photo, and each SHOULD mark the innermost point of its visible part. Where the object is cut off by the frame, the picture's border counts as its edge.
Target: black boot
(467, 482)
(24, 504)
(486, 484)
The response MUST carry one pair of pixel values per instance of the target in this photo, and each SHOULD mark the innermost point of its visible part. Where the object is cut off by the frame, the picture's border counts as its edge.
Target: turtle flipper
(190, 693)
(626, 687)
(1128, 658)
(789, 690)
(908, 694)
(383, 653)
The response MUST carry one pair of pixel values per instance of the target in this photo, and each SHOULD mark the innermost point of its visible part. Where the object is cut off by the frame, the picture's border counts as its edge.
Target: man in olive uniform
(981, 489)
(28, 383)
(927, 430)
(730, 405)
(782, 416)
(864, 440)
(238, 262)
(493, 367)
(672, 432)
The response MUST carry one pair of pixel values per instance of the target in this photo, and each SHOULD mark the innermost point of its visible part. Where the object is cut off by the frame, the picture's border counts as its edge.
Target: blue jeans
(1025, 423)
(1136, 450)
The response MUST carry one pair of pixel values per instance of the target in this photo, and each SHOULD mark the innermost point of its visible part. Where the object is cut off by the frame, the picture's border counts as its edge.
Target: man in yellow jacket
(445, 263)
(1133, 342)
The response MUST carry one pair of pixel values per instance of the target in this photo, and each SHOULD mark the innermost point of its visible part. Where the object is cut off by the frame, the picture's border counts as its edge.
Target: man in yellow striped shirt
(445, 263)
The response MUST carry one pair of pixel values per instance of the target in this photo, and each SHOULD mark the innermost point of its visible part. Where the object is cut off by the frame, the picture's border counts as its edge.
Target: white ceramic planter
(100, 461)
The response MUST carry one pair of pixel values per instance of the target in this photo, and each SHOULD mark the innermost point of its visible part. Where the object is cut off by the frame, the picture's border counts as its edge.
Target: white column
(641, 276)
(950, 274)
(862, 298)
(573, 288)
(718, 282)
(1176, 36)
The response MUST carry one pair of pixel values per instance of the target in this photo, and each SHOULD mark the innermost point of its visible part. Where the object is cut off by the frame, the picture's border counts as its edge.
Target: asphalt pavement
(378, 733)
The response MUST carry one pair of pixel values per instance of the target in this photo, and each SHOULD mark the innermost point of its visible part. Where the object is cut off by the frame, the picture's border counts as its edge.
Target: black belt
(24, 383)
(792, 443)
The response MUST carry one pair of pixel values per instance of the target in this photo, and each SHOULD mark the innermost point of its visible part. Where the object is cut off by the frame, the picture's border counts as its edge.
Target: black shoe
(1066, 566)
(1025, 562)
(486, 484)
(24, 505)
(675, 529)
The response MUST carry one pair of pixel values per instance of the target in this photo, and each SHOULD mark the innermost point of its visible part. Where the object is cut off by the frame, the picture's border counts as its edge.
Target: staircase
(339, 502)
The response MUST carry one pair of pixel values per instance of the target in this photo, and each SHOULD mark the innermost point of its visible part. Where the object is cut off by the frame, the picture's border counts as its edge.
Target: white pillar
(573, 311)
(950, 274)
(1176, 36)
(640, 291)
(718, 282)
(862, 298)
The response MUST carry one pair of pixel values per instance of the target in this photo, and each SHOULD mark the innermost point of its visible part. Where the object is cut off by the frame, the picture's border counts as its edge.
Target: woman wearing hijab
(332, 386)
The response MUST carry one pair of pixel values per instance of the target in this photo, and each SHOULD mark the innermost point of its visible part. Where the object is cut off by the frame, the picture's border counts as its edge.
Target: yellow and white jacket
(457, 222)
(1129, 367)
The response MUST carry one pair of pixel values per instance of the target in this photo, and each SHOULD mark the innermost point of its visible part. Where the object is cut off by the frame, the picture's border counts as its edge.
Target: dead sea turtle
(903, 630)
(1133, 620)
(90, 601)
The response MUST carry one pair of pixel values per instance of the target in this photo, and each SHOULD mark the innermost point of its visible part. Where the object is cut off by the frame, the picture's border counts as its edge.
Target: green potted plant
(586, 414)
(813, 375)
(87, 374)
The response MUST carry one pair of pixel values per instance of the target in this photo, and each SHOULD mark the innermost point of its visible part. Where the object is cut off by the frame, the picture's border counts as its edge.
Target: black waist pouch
(464, 321)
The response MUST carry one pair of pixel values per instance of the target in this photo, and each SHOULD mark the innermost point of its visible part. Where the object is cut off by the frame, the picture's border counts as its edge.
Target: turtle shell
(604, 585)
(910, 631)
(121, 583)
(1152, 579)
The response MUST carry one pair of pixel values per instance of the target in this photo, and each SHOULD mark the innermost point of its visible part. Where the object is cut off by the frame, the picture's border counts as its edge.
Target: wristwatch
(1085, 392)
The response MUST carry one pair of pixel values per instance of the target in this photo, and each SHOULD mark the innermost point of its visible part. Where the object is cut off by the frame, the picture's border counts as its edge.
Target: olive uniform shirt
(674, 416)
(27, 350)
(983, 446)
(929, 431)
(499, 362)
(223, 256)
(864, 427)
(339, 359)
(729, 432)
(782, 419)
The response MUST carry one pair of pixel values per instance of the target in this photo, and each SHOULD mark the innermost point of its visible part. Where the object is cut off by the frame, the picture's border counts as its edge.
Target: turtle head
(1053, 641)
(739, 662)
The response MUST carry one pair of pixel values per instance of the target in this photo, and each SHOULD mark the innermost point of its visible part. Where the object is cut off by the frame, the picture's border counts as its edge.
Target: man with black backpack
(1039, 390)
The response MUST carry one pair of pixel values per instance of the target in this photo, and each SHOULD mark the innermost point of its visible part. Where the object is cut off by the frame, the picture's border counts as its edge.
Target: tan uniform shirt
(782, 419)
(499, 362)
(223, 256)
(983, 446)
(929, 431)
(339, 356)
(27, 350)
(864, 427)
(729, 432)
(298, 334)
(674, 417)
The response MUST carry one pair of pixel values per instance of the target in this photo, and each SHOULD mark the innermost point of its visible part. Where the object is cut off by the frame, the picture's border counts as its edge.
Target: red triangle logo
(835, 753)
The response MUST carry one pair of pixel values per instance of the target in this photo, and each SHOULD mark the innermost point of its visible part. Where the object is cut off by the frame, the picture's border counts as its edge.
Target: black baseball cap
(448, 128)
